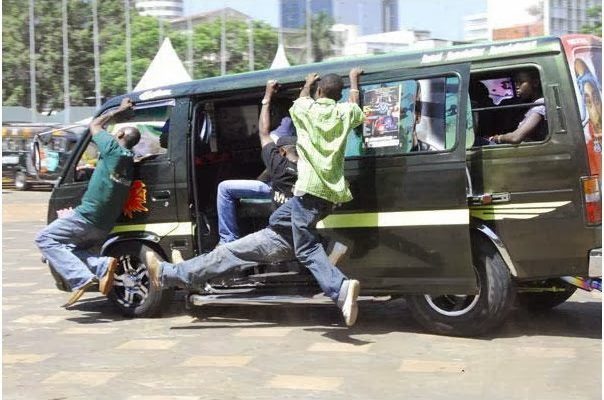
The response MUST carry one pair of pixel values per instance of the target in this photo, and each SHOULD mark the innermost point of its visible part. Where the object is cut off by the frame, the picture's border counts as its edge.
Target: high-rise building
(371, 16)
(476, 27)
(165, 9)
(566, 16)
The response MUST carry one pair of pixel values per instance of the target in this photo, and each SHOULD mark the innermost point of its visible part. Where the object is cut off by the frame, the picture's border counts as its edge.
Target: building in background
(371, 16)
(514, 19)
(164, 9)
(476, 27)
(180, 24)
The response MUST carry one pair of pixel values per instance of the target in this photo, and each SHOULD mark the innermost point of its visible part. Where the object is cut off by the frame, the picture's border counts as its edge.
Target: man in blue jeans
(232, 190)
(65, 243)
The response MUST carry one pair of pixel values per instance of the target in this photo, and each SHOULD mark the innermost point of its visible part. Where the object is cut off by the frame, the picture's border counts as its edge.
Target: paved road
(272, 352)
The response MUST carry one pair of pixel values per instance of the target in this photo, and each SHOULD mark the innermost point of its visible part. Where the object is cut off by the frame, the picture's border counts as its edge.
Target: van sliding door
(408, 224)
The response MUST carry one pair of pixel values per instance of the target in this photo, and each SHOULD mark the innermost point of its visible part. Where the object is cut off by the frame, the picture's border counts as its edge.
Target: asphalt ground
(271, 352)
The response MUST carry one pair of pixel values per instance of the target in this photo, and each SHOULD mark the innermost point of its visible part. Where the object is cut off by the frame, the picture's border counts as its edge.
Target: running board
(203, 299)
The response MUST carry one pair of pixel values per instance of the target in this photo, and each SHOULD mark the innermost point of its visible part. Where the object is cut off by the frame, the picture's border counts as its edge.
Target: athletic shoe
(80, 292)
(337, 252)
(348, 304)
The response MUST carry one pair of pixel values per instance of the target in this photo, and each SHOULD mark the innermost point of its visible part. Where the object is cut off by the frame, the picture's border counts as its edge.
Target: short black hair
(331, 85)
(131, 136)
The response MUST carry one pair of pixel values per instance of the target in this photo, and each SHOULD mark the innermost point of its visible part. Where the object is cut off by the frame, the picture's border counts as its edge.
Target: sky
(444, 18)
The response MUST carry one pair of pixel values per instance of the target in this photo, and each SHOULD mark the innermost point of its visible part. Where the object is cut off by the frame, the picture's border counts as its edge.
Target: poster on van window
(584, 55)
(382, 114)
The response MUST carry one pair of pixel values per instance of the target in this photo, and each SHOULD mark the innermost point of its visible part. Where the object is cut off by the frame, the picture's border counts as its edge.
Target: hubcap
(131, 283)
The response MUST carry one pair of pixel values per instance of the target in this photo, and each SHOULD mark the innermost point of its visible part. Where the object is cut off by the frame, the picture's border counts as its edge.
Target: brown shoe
(153, 268)
(80, 292)
(106, 281)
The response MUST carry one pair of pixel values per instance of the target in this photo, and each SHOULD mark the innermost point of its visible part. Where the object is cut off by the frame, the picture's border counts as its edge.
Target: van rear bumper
(595, 263)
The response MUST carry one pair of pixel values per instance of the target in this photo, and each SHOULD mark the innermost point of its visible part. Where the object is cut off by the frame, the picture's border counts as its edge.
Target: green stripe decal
(398, 218)
(161, 229)
(515, 211)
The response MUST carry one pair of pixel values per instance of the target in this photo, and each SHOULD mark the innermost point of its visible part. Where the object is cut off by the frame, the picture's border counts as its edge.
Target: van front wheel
(132, 291)
(469, 315)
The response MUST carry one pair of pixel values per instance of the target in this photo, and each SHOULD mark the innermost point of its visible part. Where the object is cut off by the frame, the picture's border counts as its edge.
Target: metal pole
(128, 55)
(66, 102)
(161, 31)
(309, 58)
(223, 43)
(32, 64)
(97, 68)
(251, 43)
(190, 43)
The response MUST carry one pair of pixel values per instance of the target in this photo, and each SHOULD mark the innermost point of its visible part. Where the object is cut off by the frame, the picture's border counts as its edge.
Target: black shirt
(283, 174)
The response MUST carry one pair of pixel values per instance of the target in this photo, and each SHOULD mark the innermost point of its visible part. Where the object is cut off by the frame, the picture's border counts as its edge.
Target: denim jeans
(298, 217)
(264, 246)
(229, 193)
(65, 244)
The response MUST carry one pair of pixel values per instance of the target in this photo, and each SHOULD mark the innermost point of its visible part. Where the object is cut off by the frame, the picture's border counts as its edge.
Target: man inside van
(322, 125)
(65, 243)
(265, 246)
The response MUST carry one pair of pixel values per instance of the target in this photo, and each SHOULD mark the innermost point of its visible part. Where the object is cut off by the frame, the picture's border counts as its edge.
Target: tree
(594, 13)
(322, 38)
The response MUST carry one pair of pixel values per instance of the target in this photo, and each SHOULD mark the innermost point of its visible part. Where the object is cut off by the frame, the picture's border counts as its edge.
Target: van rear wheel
(469, 315)
(132, 291)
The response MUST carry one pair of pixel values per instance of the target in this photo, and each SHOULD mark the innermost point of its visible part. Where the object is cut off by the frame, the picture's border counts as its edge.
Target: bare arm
(353, 96)
(310, 80)
(265, 113)
(521, 133)
(99, 122)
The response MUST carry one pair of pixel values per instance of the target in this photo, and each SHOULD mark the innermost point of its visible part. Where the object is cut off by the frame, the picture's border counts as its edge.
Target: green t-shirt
(322, 127)
(109, 185)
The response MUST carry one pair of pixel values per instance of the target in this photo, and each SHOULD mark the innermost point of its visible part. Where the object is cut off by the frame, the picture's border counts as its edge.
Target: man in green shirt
(65, 243)
(322, 125)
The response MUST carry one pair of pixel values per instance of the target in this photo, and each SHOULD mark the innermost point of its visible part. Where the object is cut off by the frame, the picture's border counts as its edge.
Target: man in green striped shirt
(322, 126)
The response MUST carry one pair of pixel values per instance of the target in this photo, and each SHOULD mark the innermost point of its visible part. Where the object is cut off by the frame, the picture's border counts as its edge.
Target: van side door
(408, 223)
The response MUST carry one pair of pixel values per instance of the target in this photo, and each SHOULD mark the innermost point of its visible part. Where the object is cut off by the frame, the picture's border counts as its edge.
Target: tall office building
(371, 16)
(165, 9)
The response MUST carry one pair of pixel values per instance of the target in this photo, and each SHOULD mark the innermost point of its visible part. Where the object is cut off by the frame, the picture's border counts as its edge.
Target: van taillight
(593, 199)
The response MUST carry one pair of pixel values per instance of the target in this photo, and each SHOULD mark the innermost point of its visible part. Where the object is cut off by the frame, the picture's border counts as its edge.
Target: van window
(405, 117)
(152, 122)
(500, 104)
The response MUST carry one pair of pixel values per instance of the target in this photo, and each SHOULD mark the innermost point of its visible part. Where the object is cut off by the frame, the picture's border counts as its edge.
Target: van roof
(373, 63)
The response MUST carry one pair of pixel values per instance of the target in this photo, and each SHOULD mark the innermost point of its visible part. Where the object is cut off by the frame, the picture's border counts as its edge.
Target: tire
(470, 315)
(21, 181)
(543, 301)
(132, 291)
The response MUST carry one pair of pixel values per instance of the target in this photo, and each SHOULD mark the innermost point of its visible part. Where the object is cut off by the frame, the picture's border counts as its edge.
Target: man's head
(330, 86)
(287, 147)
(128, 137)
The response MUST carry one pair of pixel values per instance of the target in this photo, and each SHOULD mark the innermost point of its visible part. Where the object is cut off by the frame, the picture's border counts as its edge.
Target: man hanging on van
(65, 242)
(322, 126)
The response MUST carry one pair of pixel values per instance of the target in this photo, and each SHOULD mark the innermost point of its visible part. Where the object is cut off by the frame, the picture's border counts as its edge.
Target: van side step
(258, 299)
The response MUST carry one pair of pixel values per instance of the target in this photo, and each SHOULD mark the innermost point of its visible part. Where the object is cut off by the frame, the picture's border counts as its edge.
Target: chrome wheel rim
(131, 282)
(455, 305)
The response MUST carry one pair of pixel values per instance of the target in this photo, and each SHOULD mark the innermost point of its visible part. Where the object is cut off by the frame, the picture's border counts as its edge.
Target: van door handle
(160, 195)
(489, 198)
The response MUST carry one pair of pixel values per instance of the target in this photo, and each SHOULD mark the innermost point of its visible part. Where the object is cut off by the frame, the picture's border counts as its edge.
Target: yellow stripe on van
(498, 212)
(162, 229)
(397, 218)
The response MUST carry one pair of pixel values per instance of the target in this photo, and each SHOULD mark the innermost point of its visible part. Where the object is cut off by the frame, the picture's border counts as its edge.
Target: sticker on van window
(137, 199)
(382, 115)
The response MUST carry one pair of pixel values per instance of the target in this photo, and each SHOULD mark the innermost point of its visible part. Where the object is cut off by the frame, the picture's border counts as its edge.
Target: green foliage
(321, 36)
(596, 27)
(112, 45)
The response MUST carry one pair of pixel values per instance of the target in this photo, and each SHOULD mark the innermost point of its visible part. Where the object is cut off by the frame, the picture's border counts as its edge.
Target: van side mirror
(34, 154)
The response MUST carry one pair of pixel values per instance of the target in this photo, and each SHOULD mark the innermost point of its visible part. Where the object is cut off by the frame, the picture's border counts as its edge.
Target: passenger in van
(65, 243)
(532, 127)
(322, 125)
(265, 246)
(232, 190)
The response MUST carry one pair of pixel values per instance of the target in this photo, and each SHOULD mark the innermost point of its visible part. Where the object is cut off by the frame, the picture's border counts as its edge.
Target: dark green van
(460, 226)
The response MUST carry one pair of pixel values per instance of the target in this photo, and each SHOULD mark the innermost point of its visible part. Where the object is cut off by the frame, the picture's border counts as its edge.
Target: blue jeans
(298, 218)
(264, 246)
(65, 244)
(229, 193)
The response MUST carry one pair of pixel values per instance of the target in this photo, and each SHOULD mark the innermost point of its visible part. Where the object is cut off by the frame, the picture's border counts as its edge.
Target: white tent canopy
(165, 69)
(280, 60)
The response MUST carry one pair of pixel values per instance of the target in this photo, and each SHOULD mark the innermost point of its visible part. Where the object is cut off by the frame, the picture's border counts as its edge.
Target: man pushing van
(65, 243)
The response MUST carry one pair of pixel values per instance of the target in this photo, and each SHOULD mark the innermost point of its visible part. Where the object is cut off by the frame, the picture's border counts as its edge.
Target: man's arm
(522, 133)
(353, 96)
(98, 124)
(265, 113)
(310, 80)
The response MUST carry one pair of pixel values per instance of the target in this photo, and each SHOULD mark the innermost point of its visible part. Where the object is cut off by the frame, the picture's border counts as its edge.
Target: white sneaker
(337, 252)
(350, 308)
